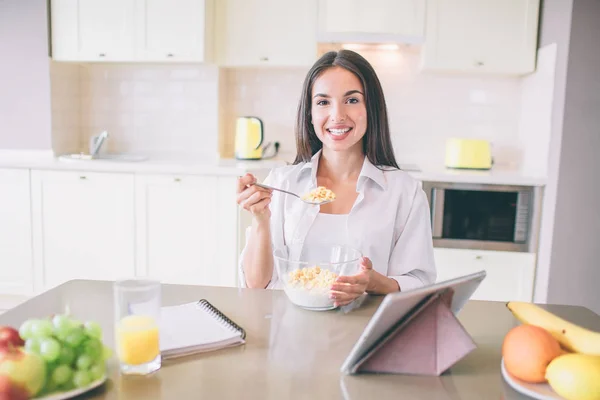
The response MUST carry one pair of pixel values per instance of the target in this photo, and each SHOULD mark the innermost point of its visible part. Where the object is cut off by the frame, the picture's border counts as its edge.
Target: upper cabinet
(266, 32)
(487, 36)
(131, 30)
(89, 30)
(375, 20)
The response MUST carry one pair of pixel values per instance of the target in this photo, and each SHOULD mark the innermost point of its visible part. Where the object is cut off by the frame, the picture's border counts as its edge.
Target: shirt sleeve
(412, 262)
(276, 232)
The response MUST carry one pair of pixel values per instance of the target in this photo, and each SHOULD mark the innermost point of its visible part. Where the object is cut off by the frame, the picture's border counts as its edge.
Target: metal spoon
(314, 203)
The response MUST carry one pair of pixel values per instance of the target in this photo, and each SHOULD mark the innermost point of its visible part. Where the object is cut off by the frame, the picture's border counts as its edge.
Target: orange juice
(138, 339)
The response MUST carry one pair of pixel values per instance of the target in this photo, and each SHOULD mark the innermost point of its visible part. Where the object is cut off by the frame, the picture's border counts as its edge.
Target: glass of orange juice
(137, 314)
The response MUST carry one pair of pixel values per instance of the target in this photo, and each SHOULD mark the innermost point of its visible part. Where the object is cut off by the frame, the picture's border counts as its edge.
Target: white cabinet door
(83, 226)
(266, 32)
(389, 17)
(187, 229)
(16, 268)
(487, 36)
(170, 31)
(93, 30)
(510, 275)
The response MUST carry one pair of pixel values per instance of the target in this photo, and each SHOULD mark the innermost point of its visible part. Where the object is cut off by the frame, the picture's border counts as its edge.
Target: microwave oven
(484, 216)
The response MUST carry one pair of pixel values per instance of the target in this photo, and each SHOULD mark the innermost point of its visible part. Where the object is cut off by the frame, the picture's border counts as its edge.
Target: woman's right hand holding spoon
(254, 198)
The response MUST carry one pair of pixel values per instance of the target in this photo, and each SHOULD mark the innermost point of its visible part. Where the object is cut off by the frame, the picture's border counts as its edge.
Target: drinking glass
(137, 313)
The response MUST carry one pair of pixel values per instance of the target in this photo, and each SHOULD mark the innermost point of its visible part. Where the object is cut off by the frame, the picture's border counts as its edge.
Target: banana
(571, 336)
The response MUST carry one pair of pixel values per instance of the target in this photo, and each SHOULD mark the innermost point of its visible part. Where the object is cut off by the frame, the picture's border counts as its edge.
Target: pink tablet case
(427, 343)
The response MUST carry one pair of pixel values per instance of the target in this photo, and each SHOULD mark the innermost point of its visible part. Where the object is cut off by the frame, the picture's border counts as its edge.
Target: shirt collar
(368, 171)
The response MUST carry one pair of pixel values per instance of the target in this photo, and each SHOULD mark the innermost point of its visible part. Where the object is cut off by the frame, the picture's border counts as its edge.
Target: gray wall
(575, 254)
(25, 115)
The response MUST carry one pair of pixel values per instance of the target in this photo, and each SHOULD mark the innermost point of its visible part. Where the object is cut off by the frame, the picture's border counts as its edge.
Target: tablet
(395, 306)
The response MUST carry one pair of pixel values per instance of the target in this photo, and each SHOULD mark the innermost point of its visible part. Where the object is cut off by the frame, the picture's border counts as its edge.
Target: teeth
(338, 131)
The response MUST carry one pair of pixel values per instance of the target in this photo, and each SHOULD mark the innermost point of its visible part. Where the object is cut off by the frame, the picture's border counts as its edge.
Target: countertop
(289, 352)
(186, 164)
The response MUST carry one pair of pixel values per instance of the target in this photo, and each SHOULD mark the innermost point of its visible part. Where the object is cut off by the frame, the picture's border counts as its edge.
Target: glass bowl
(307, 272)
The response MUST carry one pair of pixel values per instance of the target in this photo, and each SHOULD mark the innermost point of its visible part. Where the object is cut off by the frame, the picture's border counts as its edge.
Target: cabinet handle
(102, 54)
(82, 177)
(177, 179)
(478, 257)
(479, 63)
(170, 55)
(264, 59)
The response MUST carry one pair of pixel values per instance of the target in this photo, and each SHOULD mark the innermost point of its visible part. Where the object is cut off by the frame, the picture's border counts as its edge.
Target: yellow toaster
(468, 154)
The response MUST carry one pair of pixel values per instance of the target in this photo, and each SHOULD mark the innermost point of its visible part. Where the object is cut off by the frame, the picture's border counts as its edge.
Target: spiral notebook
(195, 328)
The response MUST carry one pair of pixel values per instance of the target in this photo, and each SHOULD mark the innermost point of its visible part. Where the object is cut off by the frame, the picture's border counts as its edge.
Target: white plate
(74, 392)
(541, 391)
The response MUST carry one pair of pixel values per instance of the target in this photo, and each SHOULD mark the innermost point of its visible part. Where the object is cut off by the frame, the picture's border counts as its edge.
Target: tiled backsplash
(182, 108)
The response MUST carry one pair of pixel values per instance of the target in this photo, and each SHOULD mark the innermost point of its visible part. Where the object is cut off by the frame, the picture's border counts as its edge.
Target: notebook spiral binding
(214, 312)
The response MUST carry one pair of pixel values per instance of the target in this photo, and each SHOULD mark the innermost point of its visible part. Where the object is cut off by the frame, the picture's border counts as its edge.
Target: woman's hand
(346, 289)
(253, 198)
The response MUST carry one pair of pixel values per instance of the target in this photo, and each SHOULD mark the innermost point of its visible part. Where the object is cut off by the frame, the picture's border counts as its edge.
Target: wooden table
(290, 353)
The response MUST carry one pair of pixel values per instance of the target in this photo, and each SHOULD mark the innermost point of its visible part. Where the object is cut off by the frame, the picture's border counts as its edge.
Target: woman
(343, 143)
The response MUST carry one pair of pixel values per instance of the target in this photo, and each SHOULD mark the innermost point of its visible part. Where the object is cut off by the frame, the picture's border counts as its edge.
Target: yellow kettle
(249, 137)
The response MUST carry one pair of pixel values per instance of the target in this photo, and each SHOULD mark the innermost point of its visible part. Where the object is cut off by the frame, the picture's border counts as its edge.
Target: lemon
(575, 376)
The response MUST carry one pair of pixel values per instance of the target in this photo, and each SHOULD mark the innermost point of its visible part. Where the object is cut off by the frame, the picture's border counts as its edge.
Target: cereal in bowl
(309, 287)
(319, 195)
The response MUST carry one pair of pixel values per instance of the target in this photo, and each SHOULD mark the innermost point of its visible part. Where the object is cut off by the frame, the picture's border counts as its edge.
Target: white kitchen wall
(181, 108)
(424, 109)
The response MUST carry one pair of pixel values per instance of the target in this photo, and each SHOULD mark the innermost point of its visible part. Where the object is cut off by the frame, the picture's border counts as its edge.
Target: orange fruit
(527, 350)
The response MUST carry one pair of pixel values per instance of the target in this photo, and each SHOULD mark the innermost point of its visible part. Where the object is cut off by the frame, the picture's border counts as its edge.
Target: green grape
(49, 349)
(93, 348)
(67, 355)
(74, 338)
(84, 362)
(62, 374)
(97, 370)
(106, 353)
(81, 379)
(25, 330)
(41, 329)
(62, 325)
(32, 345)
(93, 329)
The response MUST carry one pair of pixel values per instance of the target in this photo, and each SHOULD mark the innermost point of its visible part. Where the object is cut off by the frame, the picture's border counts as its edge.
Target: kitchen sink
(116, 157)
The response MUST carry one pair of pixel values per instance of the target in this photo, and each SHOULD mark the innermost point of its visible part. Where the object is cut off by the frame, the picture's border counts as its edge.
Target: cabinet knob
(82, 177)
(170, 55)
(478, 257)
(479, 63)
(102, 54)
(264, 59)
(177, 179)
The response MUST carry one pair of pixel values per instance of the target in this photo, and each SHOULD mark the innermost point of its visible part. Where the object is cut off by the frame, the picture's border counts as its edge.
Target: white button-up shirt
(389, 222)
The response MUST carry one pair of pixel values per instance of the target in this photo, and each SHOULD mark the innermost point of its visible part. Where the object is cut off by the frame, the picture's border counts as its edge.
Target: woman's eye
(352, 100)
(322, 102)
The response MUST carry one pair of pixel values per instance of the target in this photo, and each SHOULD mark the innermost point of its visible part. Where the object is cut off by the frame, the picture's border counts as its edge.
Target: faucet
(96, 142)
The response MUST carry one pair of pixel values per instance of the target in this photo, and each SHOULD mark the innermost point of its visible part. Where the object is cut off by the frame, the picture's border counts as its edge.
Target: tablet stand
(427, 343)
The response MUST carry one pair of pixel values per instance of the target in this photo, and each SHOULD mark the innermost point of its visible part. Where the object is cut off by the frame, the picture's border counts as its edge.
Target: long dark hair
(377, 144)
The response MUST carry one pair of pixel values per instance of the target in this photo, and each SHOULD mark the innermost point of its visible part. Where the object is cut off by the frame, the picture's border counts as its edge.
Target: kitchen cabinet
(132, 30)
(83, 226)
(174, 32)
(379, 20)
(486, 36)
(187, 229)
(93, 30)
(510, 275)
(16, 263)
(266, 32)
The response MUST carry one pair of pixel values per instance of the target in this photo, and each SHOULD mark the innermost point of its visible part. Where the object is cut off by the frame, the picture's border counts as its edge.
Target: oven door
(479, 216)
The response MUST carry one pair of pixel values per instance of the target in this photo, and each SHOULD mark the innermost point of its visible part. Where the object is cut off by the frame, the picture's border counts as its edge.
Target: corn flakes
(312, 277)
(319, 195)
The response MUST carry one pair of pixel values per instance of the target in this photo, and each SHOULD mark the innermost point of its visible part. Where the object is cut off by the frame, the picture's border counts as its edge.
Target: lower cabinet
(510, 275)
(16, 262)
(186, 229)
(83, 226)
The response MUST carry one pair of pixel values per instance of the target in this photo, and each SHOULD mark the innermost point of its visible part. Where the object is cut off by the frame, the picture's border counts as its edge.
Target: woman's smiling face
(338, 109)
